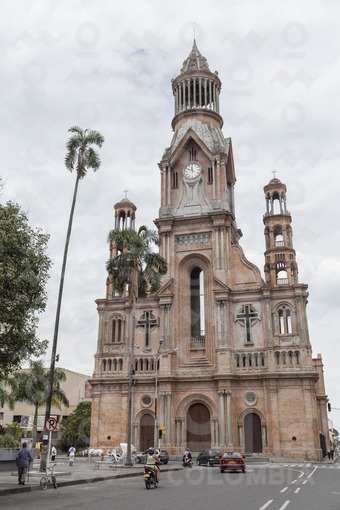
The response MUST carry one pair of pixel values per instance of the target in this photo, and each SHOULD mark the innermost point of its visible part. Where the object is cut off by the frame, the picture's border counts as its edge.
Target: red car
(232, 461)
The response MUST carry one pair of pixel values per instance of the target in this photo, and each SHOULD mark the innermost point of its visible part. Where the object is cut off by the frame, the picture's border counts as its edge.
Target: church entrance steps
(253, 457)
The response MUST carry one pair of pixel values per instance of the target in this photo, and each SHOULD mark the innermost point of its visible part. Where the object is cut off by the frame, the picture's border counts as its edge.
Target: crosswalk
(309, 464)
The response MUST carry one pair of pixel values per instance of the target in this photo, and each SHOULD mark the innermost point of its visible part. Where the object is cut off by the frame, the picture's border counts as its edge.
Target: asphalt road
(262, 487)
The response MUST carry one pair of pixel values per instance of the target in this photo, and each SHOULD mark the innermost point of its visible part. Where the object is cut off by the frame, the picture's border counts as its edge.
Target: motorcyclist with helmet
(153, 461)
(187, 458)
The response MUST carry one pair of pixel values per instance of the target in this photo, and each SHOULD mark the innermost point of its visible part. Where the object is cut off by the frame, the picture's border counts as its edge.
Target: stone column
(222, 418)
(168, 419)
(240, 435)
(215, 435)
(183, 437)
(229, 419)
(264, 435)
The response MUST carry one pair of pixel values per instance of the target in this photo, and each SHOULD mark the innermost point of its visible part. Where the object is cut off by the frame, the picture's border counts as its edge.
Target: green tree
(77, 427)
(10, 435)
(80, 157)
(141, 269)
(24, 271)
(32, 386)
(7, 388)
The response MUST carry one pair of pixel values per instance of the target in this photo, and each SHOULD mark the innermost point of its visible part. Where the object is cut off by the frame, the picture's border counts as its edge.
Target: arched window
(281, 273)
(278, 237)
(285, 320)
(197, 302)
(117, 330)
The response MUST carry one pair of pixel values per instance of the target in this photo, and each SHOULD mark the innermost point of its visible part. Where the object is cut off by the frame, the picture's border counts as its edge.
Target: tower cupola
(196, 89)
(125, 214)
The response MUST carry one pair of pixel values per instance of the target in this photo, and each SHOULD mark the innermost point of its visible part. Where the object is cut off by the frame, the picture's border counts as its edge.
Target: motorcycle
(149, 477)
(186, 462)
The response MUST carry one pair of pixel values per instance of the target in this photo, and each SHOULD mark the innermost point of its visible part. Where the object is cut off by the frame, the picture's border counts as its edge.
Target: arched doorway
(146, 431)
(198, 427)
(253, 433)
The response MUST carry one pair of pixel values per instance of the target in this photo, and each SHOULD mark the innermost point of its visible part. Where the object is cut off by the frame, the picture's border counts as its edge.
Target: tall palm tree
(80, 157)
(32, 386)
(137, 266)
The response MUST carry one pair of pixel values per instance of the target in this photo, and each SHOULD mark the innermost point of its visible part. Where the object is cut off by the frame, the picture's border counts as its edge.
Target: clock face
(192, 170)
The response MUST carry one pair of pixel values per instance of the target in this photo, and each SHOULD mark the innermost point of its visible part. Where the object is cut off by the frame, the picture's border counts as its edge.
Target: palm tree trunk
(35, 424)
(130, 394)
(57, 319)
(133, 292)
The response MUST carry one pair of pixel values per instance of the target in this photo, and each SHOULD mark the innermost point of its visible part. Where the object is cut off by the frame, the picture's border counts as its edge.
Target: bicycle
(49, 478)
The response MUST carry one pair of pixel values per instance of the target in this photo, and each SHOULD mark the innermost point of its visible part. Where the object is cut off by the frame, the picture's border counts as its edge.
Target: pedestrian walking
(71, 454)
(53, 453)
(23, 458)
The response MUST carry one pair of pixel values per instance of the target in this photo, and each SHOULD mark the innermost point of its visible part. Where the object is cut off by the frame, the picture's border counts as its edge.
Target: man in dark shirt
(24, 458)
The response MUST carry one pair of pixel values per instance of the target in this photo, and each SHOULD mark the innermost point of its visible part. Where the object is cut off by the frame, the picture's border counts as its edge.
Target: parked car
(210, 457)
(232, 461)
(163, 455)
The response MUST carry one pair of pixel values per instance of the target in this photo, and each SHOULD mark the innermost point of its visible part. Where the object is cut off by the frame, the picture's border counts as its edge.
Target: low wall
(8, 456)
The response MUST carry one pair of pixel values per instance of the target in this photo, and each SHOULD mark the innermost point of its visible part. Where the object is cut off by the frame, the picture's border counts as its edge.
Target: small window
(210, 175)
(175, 179)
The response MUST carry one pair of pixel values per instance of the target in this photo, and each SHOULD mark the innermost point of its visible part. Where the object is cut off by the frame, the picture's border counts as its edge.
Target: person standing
(53, 453)
(71, 454)
(23, 458)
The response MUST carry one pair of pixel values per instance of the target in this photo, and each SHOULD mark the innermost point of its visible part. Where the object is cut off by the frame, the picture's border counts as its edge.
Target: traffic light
(161, 431)
(329, 407)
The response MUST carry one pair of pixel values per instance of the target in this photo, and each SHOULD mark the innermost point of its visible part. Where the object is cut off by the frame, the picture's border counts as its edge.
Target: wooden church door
(198, 428)
(253, 433)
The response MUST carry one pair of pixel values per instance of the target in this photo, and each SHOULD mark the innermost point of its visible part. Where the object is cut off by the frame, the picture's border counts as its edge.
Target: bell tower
(197, 170)
(280, 258)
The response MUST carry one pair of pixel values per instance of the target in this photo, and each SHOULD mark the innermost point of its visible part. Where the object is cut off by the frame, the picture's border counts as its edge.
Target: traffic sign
(51, 424)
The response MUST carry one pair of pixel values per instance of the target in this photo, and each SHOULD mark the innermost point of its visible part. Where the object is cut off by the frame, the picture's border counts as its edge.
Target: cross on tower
(274, 172)
(247, 316)
(126, 192)
(148, 322)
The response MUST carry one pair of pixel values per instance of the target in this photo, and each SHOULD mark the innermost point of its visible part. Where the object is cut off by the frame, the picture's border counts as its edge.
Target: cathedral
(220, 356)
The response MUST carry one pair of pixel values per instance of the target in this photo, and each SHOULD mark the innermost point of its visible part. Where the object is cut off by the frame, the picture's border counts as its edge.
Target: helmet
(151, 451)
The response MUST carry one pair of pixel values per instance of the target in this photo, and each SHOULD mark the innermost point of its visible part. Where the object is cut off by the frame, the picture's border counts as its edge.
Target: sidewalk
(82, 471)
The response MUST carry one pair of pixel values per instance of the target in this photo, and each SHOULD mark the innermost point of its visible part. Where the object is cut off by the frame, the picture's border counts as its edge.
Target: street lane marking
(297, 490)
(312, 473)
(266, 504)
(284, 490)
(284, 505)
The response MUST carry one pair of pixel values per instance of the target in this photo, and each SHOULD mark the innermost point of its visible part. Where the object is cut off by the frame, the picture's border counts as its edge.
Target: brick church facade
(221, 356)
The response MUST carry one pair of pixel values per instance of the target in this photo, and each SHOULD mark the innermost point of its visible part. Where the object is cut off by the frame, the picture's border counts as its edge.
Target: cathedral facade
(220, 356)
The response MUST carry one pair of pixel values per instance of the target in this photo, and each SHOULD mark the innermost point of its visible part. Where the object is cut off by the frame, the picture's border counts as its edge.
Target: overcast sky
(108, 66)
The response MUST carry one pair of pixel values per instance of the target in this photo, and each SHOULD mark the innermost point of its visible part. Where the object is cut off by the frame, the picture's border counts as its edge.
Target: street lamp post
(157, 357)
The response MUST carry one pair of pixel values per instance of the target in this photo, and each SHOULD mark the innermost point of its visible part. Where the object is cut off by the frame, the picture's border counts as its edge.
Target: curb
(32, 488)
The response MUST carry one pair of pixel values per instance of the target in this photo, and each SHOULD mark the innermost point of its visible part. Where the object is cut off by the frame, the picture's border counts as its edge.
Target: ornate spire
(195, 61)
